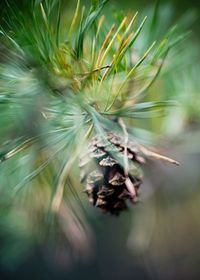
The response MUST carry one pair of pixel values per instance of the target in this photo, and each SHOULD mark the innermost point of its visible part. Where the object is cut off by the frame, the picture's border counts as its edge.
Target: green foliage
(61, 83)
(54, 89)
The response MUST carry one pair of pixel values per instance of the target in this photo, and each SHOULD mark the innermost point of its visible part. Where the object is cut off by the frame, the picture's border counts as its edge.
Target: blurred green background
(159, 238)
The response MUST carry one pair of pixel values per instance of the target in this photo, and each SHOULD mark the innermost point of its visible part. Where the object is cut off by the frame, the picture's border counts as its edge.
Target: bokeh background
(157, 239)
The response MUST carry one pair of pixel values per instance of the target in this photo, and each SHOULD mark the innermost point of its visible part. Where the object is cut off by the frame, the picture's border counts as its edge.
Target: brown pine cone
(108, 186)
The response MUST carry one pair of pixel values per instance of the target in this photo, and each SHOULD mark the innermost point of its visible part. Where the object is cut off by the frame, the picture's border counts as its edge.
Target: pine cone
(107, 184)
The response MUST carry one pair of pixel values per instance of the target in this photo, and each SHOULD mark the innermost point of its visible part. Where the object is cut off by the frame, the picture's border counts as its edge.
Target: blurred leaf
(143, 110)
